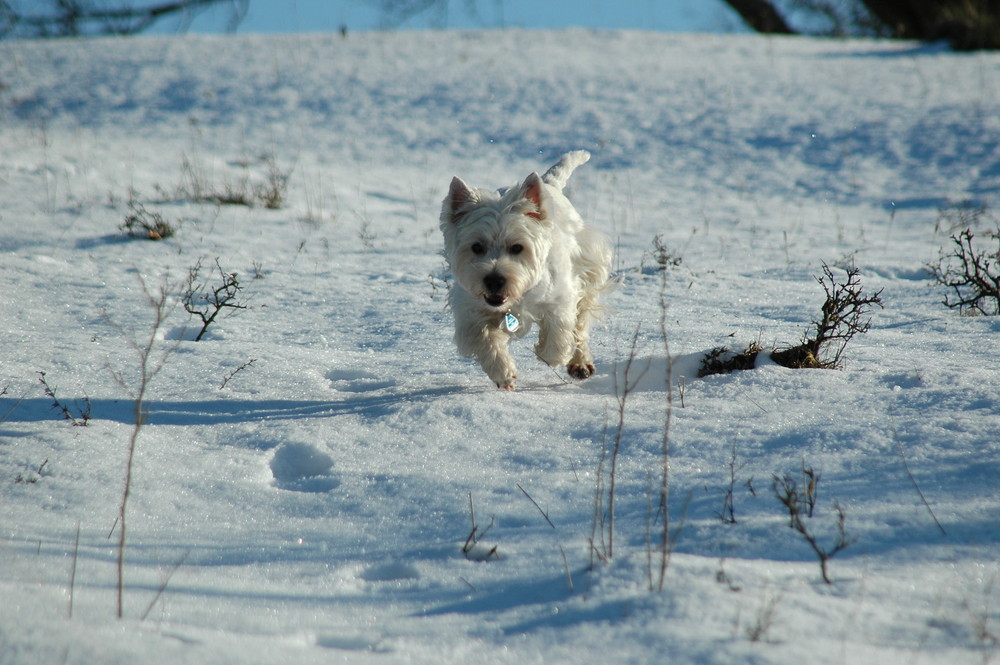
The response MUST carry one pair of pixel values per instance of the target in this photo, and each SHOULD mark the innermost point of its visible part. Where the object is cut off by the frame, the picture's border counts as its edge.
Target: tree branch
(70, 18)
(761, 16)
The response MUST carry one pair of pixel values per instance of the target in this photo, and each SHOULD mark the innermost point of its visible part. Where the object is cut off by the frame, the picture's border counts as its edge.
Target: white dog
(522, 256)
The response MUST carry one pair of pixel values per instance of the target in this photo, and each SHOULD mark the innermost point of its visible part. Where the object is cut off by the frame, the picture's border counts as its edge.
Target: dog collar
(510, 323)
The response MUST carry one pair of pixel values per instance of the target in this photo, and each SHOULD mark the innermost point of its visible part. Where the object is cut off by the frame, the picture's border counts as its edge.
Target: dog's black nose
(494, 282)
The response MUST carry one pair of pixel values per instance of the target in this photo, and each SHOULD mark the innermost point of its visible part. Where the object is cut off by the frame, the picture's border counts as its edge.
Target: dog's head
(496, 244)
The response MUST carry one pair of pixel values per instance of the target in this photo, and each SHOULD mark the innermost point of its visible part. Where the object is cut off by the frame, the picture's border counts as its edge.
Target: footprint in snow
(357, 381)
(301, 467)
(348, 640)
(391, 571)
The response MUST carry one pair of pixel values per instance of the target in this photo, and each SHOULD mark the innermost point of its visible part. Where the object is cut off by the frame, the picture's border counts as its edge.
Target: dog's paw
(581, 372)
(501, 371)
(507, 384)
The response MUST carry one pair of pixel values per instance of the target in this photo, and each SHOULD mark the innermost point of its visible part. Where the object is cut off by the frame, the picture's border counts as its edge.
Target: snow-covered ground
(314, 509)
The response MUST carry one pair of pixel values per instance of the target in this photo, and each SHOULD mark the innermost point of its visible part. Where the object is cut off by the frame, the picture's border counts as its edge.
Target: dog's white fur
(524, 251)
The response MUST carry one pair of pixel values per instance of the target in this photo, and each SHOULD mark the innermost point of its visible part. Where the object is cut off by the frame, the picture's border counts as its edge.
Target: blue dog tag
(510, 323)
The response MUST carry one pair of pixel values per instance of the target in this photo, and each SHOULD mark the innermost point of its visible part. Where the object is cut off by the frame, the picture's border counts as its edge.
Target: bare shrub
(602, 537)
(150, 363)
(721, 360)
(662, 256)
(759, 630)
(728, 512)
(800, 503)
(667, 540)
(966, 214)
(987, 636)
(844, 315)
(269, 193)
(207, 302)
(32, 475)
(971, 273)
(145, 224)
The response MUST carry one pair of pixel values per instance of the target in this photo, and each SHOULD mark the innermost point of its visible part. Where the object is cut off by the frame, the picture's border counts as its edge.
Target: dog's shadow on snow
(645, 373)
(541, 594)
(220, 411)
(376, 400)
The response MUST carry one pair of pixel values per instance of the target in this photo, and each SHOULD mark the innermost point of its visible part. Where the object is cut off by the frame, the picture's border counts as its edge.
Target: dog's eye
(516, 249)
(478, 249)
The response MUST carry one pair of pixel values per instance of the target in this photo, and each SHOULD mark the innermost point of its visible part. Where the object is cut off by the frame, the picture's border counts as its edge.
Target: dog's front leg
(495, 358)
(484, 340)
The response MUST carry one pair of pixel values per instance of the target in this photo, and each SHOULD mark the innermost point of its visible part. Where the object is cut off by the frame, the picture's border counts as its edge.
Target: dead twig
(788, 493)
(236, 371)
(84, 411)
(475, 535)
(535, 504)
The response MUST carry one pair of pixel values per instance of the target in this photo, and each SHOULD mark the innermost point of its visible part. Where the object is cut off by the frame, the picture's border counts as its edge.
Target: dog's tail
(559, 174)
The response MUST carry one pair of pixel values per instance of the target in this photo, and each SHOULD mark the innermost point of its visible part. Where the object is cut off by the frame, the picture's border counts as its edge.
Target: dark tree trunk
(761, 16)
(965, 24)
(907, 19)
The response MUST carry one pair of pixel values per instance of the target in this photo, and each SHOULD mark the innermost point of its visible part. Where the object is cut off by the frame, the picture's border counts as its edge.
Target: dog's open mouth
(494, 299)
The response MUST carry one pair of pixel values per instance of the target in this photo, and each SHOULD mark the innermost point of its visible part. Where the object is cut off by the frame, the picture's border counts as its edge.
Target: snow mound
(303, 467)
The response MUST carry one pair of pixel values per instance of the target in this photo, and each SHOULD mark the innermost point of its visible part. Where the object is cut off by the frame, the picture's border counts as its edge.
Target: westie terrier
(522, 256)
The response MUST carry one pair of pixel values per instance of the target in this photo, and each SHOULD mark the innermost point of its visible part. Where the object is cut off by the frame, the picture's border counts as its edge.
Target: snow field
(315, 507)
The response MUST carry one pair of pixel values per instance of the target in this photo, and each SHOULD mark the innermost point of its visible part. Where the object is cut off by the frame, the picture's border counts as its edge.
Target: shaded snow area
(307, 475)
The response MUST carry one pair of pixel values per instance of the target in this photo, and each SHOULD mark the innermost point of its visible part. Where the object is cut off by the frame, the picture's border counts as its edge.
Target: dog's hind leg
(581, 364)
(556, 339)
(592, 274)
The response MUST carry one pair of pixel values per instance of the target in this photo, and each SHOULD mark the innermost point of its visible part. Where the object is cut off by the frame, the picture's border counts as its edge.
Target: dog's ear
(531, 191)
(460, 196)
